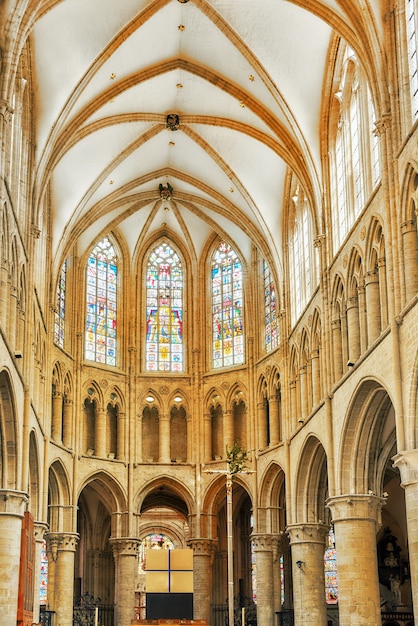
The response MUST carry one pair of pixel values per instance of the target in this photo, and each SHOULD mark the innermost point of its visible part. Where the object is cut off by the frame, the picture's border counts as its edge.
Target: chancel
(208, 243)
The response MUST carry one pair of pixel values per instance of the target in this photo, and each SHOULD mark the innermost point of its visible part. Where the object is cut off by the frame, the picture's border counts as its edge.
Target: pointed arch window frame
(102, 287)
(164, 309)
(227, 307)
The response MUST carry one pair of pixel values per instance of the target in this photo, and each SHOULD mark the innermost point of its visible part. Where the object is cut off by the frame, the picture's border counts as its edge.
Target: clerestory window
(101, 301)
(164, 310)
(227, 307)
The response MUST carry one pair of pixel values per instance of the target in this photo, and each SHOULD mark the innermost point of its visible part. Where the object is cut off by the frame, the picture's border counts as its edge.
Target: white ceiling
(245, 78)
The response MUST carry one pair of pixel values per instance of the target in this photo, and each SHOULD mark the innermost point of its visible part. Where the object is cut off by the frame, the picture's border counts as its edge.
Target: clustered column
(12, 504)
(61, 549)
(203, 552)
(407, 462)
(356, 521)
(263, 550)
(125, 552)
(308, 547)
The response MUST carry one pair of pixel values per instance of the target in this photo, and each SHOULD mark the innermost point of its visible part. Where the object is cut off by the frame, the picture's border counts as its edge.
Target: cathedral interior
(209, 309)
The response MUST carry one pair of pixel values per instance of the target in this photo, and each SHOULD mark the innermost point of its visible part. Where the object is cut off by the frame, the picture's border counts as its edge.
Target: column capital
(266, 542)
(61, 542)
(307, 533)
(407, 463)
(203, 546)
(125, 546)
(39, 530)
(12, 502)
(358, 506)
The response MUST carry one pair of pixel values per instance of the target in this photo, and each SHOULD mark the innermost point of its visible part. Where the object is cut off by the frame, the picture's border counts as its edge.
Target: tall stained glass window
(164, 286)
(59, 316)
(43, 576)
(100, 338)
(412, 35)
(271, 321)
(227, 302)
(330, 563)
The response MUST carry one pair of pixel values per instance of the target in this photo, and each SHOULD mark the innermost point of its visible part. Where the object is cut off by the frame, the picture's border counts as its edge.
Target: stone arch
(60, 511)
(311, 485)
(408, 227)
(34, 478)
(8, 436)
(103, 487)
(272, 505)
(369, 421)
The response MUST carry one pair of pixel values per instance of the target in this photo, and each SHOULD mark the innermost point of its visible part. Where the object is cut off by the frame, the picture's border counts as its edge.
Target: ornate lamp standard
(236, 459)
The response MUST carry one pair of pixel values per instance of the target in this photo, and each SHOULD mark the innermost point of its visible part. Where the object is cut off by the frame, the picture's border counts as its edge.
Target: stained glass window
(164, 286)
(154, 541)
(330, 564)
(100, 339)
(43, 576)
(270, 310)
(227, 302)
(59, 316)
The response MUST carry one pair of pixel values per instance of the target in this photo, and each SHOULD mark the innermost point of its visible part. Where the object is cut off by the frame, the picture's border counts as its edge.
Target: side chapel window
(227, 304)
(101, 292)
(59, 315)
(164, 310)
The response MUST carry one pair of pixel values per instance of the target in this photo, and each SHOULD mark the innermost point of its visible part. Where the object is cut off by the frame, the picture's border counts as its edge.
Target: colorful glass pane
(101, 291)
(154, 541)
(227, 301)
(164, 311)
(330, 565)
(271, 322)
(43, 576)
(59, 316)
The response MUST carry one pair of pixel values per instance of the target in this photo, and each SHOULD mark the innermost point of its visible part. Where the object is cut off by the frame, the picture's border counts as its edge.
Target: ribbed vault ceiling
(244, 77)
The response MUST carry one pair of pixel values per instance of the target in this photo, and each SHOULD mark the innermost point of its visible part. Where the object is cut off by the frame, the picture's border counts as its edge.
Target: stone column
(164, 440)
(61, 549)
(293, 403)
(56, 427)
(410, 246)
(356, 521)
(262, 424)
(307, 543)
(39, 530)
(203, 552)
(125, 552)
(316, 377)
(100, 434)
(12, 506)
(228, 429)
(121, 426)
(407, 462)
(373, 306)
(207, 437)
(304, 404)
(274, 412)
(4, 273)
(353, 324)
(67, 423)
(337, 349)
(263, 550)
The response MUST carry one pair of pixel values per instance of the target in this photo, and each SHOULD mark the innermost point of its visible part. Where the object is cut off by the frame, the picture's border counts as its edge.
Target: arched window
(227, 304)
(354, 145)
(101, 291)
(412, 39)
(164, 310)
(271, 322)
(59, 315)
(302, 263)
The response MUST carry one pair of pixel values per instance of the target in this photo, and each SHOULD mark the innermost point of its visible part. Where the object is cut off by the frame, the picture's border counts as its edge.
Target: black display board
(169, 606)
